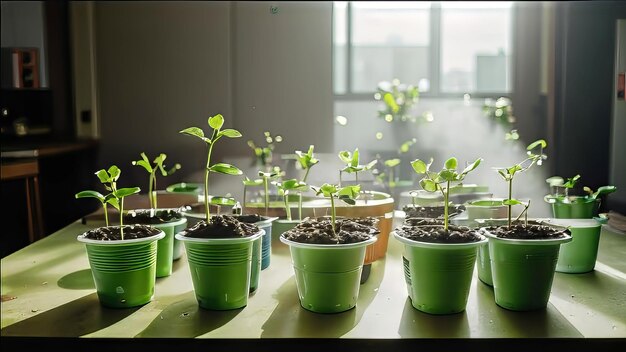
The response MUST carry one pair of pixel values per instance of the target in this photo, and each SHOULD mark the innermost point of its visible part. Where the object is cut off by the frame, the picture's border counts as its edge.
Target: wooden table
(49, 298)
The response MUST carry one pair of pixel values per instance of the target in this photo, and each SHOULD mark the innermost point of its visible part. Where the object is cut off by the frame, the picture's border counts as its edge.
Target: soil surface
(152, 216)
(250, 218)
(432, 231)
(112, 233)
(319, 230)
(221, 226)
(435, 211)
(532, 232)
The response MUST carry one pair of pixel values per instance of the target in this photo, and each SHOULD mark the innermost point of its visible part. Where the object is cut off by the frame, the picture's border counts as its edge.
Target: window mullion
(349, 48)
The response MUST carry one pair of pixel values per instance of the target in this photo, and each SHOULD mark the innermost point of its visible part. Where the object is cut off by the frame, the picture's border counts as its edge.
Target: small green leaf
(227, 169)
(604, 190)
(216, 122)
(419, 166)
(143, 164)
(429, 185)
(249, 182)
(391, 102)
(90, 194)
(103, 176)
(511, 202)
(369, 165)
(472, 166)
(534, 144)
(110, 198)
(346, 199)
(451, 163)
(218, 200)
(349, 191)
(392, 162)
(114, 172)
(355, 158)
(345, 156)
(449, 175)
(230, 133)
(125, 192)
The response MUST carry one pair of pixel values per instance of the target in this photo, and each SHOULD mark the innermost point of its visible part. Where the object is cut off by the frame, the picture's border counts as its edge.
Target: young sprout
(307, 161)
(152, 170)
(352, 164)
(250, 183)
(348, 194)
(215, 122)
(266, 177)
(433, 181)
(508, 173)
(601, 191)
(284, 189)
(116, 198)
(264, 154)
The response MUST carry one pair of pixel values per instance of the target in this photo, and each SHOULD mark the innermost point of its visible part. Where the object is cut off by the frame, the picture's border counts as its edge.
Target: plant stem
(510, 197)
(287, 208)
(106, 214)
(122, 218)
(445, 204)
(332, 215)
(244, 198)
(267, 196)
(306, 174)
(300, 205)
(151, 190)
(206, 179)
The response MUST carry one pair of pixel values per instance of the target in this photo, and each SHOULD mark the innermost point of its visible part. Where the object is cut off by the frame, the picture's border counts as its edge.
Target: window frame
(434, 57)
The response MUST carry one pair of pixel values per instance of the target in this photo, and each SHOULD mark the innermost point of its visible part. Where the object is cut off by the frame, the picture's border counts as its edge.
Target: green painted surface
(55, 296)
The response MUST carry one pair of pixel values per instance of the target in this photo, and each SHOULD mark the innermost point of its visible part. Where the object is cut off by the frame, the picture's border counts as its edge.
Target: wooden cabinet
(20, 68)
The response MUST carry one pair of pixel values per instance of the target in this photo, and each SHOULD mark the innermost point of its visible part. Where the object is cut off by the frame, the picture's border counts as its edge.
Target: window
(446, 49)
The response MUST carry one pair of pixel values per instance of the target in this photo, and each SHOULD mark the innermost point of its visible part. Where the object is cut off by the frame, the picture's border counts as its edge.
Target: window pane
(389, 40)
(475, 47)
(340, 51)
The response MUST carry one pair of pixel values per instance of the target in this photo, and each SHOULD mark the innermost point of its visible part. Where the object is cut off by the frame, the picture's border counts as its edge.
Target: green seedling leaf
(230, 133)
(125, 192)
(392, 162)
(103, 176)
(419, 166)
(471, 166)
(218, 200)
(345, 156)
(113, 201)
(216, 122)
(90, 194)
(391, 102)
(451, 164)
(351, 192)
(307, 160)
(195, 132)
(115, 172)
(449, 175)
(588, 190)
(536, 143)
(604, 190)
(144, 164)
(227, 169)
(369, 165)
(511, 202)
(429, 185)
(571, 182)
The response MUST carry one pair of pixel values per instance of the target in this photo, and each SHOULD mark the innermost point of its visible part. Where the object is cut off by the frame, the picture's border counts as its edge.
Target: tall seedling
(157, 165)
(215, 122)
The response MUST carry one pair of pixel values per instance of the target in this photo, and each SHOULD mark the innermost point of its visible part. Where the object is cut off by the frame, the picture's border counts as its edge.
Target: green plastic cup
(124, 271)
(439, 275)
(328, 275)
(282, 225)
(255, 266)
(220, 270)
(177, 250)
(523, 270)
(576, 208)
(165, 246)
(579, 255)
(484, 265)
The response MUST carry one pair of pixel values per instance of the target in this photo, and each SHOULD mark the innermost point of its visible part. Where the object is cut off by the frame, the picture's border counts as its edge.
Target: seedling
(285, 187)
(352, 164)
(433, 181)
(264, 154)
(116, 198)
(215, 122)
(266, 177)
(556, 182)
(348, 194)
(398, 99)
(250, 183)
(157, 165)
(508, 173)
(307, 161)
(390, 178)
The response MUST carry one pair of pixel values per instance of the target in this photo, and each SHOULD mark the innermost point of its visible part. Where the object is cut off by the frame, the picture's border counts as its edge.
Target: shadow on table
(186, 319)
(415, 323)
(78, 280)
(77, 318)
(289, 319)
(501, 322)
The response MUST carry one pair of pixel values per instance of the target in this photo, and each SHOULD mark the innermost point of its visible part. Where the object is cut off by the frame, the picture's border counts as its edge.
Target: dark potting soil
(532, 232)
(319, 230)
(152, 216)
(426, 230)
(422, 221)
(435, 211)
(221, 226)
(111, 233)
(250, 218)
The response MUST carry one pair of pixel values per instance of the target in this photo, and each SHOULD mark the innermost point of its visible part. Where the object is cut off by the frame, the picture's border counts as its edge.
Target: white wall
(282, 73)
